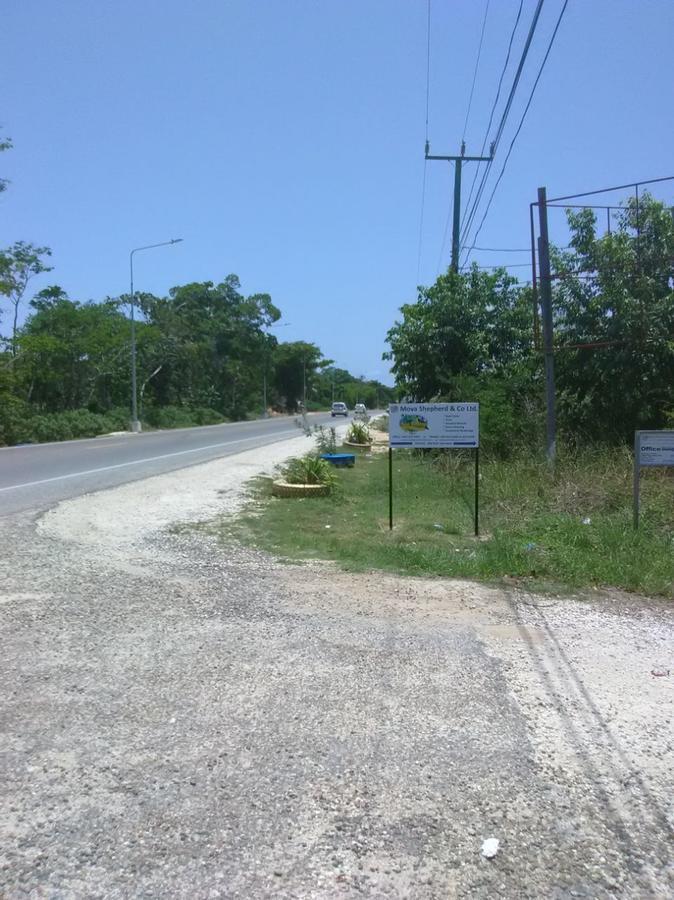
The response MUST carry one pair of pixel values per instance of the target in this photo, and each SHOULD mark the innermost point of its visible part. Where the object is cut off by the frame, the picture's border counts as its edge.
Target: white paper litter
(490, 848)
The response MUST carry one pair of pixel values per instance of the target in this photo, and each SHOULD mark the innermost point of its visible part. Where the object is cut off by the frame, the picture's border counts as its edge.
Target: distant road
(38, 475)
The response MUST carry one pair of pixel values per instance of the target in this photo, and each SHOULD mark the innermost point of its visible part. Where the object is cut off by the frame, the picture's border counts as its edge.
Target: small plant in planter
(309, 469)
(358, 433)
(305, 476)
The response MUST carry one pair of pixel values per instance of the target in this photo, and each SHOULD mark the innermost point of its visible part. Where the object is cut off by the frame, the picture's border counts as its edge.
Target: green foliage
(309, 469)
(181, 417)
(622, 298)
(294, 364)
(19, 426)
(358, 433)
(468, 337)
(326, 439)
(5, 144)
(18, 265)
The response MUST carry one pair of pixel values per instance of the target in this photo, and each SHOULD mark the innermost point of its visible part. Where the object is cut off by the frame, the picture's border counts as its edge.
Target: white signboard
(654, 448)
(434, 425)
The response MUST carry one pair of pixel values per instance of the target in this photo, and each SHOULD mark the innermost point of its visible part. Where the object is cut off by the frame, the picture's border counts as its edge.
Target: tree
(212, 347)
(74, 355)
(465, 324)
(616, 301)
(296, 365)
(5, 144)
(18, 264)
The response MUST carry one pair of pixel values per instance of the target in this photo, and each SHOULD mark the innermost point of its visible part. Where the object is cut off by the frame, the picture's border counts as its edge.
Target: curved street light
(135, 423)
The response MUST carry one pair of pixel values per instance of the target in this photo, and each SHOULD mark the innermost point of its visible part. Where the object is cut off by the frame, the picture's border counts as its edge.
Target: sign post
(651, 448)
(390, 489)
(435, 425)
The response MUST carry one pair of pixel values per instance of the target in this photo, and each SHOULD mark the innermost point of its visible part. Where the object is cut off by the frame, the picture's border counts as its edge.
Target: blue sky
(283, 140)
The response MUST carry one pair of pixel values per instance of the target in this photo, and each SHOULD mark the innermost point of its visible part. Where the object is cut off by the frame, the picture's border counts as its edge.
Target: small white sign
(434, 425)
(655, 448)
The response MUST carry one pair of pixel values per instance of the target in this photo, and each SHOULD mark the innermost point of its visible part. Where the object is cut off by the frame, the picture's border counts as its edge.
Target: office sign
(651, 448)
(424, 425)
(655, 448)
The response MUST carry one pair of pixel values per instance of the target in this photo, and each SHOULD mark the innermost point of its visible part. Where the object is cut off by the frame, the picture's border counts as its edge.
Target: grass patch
(533, 524)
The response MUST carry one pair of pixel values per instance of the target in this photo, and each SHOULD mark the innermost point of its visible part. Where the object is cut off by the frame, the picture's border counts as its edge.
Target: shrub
(326, 439)
(14, 420)
(181, 416)
(309, 469)
(358, 433)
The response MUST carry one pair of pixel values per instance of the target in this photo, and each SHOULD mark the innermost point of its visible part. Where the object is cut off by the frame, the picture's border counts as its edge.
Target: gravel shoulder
(182, 718)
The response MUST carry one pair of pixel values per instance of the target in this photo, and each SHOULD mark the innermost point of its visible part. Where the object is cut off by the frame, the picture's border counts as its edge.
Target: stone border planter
(283, 489)
(357, 446)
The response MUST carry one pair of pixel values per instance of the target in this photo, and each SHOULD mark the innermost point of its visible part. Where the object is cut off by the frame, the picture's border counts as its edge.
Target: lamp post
(264, 373)
(135, 423)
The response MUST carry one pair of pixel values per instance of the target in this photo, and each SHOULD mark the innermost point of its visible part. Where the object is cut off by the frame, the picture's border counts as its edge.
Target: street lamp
(135, 423)
(264, 374)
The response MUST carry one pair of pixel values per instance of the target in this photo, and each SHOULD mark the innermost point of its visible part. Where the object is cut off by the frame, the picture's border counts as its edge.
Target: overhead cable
(496, 99)
(504, 115)
(428, 92)
(477, 64)
(524, 114)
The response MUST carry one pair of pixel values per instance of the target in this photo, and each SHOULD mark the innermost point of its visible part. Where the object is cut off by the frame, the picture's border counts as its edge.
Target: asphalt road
(38, 475)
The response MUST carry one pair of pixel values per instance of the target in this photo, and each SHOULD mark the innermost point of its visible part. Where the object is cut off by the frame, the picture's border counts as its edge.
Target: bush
(67, 426)
(14, 416)
(326, 439)
(358, 433)
(181, 417)
(309, 469)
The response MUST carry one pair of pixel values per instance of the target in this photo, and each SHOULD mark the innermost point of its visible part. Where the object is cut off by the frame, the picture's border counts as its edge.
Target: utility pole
(458, 163)
(546, 308)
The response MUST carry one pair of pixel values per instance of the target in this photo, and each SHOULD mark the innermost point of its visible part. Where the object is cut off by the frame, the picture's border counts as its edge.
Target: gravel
(190, 719)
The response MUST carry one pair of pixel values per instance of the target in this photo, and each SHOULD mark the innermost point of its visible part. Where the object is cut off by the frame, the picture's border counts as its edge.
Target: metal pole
(546, 306)
(135, 424)
(534, 280)
(477, 491)
(390, 489)
(456, 225)
(264, 390)
(637, 479)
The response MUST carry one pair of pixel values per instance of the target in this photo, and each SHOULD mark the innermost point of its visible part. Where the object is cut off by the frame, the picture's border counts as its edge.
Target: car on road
(360, 410)
(339, 409)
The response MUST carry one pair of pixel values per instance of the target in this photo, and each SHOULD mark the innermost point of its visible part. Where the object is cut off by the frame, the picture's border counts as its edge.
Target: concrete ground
(186, 719)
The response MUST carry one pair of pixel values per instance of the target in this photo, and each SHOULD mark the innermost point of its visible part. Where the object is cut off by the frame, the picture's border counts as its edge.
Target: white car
(339, 409)
(360, 409)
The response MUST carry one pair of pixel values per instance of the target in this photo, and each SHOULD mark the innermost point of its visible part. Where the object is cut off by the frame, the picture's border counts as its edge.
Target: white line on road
(137, 462)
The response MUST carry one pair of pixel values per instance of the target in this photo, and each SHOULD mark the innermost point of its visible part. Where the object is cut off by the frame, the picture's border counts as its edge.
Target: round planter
(283, 489)
(358, 446)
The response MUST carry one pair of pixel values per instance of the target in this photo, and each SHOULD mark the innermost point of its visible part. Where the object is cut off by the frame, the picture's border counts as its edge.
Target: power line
(428, 63)
(496, 98)
(465, 126)
(477, 64)
(524, 114)
(497, 266)
(504, 115)
(421, 221)
(428, 92)
(500, 249)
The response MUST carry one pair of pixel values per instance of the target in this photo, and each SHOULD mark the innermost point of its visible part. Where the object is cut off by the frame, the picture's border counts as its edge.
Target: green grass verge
(532, 523)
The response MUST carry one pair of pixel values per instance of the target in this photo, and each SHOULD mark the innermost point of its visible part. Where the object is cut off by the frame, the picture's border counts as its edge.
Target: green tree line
(469, 336)
(206, 353)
